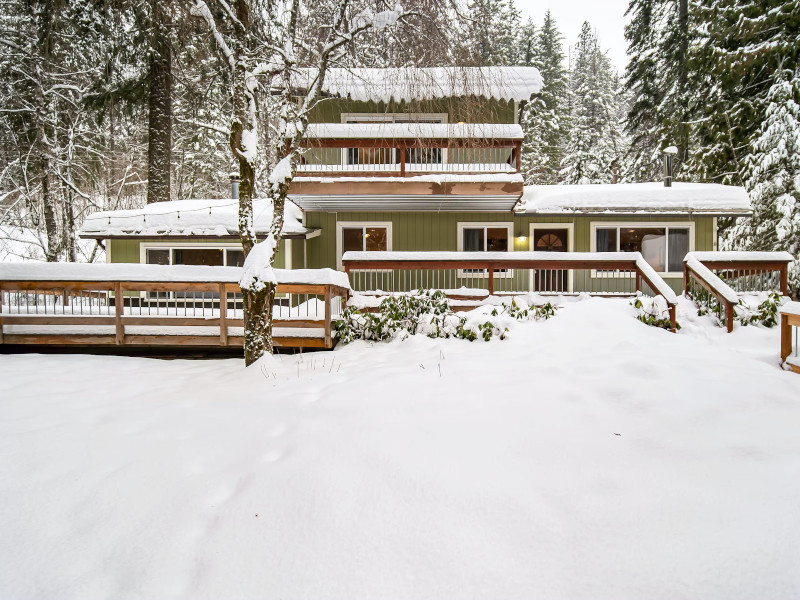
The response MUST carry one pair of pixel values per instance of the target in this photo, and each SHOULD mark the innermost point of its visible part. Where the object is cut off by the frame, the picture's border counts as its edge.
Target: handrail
(694, 269)
(747, 263)
(498, 261)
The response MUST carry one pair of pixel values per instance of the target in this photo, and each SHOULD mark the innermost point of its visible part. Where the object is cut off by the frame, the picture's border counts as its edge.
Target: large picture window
(663, 247)
(485, 237)
(362, 237)
(194, 255)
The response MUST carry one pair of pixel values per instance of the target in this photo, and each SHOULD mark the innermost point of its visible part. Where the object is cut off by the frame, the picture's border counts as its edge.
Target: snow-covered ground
(587, 456)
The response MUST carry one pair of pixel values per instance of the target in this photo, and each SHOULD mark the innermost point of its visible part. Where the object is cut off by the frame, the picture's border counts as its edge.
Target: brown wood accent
(406, 143)
(518, 155)
(786, 337)
(691, 274)
(73, 286)
(58, 320)
(119, 308)
(327, 315)
(752, 267)
(408, 187)
(223, 315)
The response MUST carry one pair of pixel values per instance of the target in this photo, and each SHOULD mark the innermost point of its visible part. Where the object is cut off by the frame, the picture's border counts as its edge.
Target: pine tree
(544, 118)
(773, 178)
(492, 34)
(594, 140)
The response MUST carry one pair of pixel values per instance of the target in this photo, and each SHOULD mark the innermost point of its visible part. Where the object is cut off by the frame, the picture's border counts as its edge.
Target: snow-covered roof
(183, 218)
(483, 131)
(635, 198)
(30, 271)
(410, 83)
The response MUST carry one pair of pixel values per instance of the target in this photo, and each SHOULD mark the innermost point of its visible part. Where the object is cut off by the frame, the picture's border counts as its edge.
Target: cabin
(428, 160)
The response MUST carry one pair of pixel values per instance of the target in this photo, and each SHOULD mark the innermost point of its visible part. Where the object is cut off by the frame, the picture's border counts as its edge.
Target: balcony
(474, 162)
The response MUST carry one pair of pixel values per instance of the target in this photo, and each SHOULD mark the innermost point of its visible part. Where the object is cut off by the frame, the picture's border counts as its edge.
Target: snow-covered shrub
(764, 313)
(653, 312)
(428, 313)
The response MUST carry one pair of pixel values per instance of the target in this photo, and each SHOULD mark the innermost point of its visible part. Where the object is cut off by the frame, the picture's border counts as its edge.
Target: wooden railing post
(685, 279)
(327, 316)
(402, 152)
(491, 280)
(223, 315)
(119, 307)
(784, 270)
(673, 319)
(1, 318)
(518, 152)
(729, 316)
(786, 338)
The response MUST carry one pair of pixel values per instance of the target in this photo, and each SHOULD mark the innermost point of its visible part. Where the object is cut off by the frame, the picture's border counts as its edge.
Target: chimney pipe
(669, 155)
(234, 177)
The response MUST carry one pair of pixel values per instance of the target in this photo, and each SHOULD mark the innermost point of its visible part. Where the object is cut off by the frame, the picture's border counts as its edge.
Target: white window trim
(144, 246)
(570, 227)
(690, 225)
(340, 225)
(485, 224)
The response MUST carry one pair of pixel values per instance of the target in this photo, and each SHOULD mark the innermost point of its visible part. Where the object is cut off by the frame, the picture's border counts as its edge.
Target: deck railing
(401, 158)
(148, 305)
(474, 275)
(719, 278)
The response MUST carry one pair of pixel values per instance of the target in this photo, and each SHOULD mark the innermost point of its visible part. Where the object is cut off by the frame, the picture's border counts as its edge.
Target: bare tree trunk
(49, 209)
(159, 145)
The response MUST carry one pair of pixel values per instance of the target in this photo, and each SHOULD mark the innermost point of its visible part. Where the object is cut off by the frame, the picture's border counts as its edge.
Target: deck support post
(328, 316)
(491, 280)
(223, 315)
(402, 152)
(119, 307)
(673, 319)
(729, 316)
(786, 338)
(784, 270)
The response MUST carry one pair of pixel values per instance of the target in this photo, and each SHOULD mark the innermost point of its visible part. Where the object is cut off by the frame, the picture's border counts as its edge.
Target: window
(362, 237)
(663, 247)
(485, 237)
(215, 256)
(488, 239)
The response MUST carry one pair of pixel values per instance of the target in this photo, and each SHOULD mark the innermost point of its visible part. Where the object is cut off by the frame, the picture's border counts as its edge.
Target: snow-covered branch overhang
(692, 199)
(409, 84)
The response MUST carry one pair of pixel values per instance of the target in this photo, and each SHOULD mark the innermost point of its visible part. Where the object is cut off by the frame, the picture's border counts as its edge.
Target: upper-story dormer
(408, 137)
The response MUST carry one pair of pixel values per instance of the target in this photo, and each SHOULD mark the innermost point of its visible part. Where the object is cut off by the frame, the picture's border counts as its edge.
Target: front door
(550, 240)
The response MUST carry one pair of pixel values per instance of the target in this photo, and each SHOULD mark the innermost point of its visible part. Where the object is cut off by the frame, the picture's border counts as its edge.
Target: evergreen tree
(492, 34)
(594, 141)
(773, 178)
(544, 118)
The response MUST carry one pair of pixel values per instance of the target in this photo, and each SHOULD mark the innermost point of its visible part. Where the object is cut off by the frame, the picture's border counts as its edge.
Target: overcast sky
(607, 17)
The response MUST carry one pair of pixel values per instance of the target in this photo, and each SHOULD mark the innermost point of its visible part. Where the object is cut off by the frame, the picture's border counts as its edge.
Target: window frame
(508, 225)
(145, 246)
(666, 225)
(340, 225)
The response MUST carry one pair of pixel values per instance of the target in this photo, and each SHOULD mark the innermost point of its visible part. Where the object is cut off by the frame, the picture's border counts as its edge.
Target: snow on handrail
(30, 271)
(740, 256)
(719, 286)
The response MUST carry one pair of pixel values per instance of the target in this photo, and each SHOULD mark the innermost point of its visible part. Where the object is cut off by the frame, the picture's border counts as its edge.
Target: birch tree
(264, 46)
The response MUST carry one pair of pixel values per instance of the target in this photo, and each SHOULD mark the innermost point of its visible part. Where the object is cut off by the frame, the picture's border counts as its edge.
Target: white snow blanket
(412, 84)
(634, 198)
(791, 308)
(434, 178)
(588, 456)
(155, 273)
(209, 218)
(483, 131)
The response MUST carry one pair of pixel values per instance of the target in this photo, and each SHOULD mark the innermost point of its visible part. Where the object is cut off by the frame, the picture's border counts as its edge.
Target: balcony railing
(411, 149)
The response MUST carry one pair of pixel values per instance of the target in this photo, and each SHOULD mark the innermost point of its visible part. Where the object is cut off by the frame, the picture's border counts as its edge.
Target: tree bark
(159, 145)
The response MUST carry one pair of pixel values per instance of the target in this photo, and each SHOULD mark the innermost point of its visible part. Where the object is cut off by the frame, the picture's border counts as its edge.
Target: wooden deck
(158, 313)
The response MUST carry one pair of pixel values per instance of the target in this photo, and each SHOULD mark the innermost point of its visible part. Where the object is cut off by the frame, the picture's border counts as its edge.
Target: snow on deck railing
(720, 287)
(740, 256)
(551, 272)
(29, 271)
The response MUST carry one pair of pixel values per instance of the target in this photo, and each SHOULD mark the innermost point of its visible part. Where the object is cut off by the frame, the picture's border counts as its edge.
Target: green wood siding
(469, 110)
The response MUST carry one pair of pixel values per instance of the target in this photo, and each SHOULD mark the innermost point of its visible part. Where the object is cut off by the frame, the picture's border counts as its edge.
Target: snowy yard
(587, 456)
